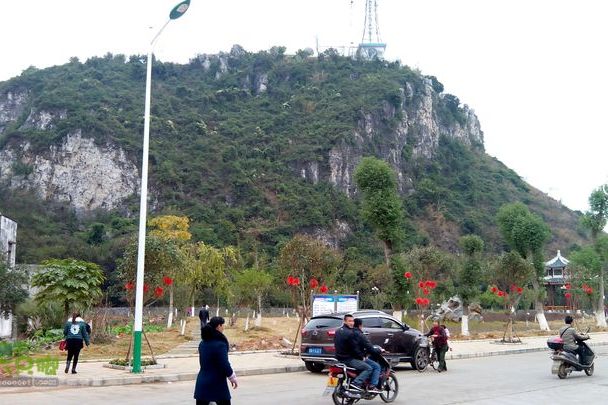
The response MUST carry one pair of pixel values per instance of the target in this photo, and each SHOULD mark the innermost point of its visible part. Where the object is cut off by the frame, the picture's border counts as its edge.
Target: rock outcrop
(80, 172)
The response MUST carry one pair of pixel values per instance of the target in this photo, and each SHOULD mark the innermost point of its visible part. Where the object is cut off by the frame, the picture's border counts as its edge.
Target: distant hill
(253, 147)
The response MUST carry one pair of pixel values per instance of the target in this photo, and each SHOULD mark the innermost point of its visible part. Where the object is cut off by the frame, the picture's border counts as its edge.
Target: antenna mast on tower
(371, 45)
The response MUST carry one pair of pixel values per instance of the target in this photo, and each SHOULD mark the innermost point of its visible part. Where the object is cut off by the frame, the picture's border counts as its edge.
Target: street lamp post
(177, 12)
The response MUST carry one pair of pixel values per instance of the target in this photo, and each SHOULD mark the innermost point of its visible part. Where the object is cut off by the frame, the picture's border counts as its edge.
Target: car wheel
(314, 367)
(421, 359)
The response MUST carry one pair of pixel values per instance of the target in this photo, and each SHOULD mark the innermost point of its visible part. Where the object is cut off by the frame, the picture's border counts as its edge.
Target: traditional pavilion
(556, 276)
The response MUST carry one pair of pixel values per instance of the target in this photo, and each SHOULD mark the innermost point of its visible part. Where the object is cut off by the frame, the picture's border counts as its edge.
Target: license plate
(332, 383)
(315, 350)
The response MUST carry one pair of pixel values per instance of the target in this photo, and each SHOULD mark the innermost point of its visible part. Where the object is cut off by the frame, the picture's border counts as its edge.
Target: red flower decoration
(158, 291)
(407, 275)
(494, 290)
(421, 284)
(568, 295)
(425, 291)
(314, 283)
(418, 300)
(129, 286)
(167, 281)
(323, 289)
(146, 288)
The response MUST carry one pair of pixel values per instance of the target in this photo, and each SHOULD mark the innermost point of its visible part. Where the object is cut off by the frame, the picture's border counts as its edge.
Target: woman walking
(211, 385)
(75, 332)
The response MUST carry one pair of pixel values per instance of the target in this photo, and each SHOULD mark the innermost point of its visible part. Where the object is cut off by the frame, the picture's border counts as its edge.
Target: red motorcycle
(341, 377)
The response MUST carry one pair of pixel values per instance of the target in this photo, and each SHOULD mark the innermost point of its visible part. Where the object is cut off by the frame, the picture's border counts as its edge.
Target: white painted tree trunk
(258, 319)
(247, 323)
(183, 328)
(464, 326)
(600, 318)
(192, 314)
(540, 317)
(170, 317)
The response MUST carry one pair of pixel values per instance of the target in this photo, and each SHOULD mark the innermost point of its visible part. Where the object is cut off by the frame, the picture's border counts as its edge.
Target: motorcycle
(342, 376)
(565, 362)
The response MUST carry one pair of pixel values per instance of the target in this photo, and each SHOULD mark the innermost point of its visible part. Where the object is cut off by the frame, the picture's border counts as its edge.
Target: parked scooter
(565, 362)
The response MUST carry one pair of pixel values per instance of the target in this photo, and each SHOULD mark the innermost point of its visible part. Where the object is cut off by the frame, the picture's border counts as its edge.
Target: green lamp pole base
(136, 352)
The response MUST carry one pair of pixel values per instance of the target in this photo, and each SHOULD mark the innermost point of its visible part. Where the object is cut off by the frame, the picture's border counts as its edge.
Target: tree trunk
(66, 308)
(539, 307)
(388, 247)
(192, 314)
(258, 320)
(464, 325)
(170, 317)
(600, 316)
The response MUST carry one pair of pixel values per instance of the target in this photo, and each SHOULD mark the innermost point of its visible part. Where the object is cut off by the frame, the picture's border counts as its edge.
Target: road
(513, 379)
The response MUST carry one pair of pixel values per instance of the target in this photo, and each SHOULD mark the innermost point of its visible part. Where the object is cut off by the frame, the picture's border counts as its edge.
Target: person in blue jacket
(75, 332)
(211, 385)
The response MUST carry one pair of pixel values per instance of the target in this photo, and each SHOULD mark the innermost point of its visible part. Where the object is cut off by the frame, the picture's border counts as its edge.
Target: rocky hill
(253, 147)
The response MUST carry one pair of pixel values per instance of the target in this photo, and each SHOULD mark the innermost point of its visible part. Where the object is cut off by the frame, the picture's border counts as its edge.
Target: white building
(8, 249)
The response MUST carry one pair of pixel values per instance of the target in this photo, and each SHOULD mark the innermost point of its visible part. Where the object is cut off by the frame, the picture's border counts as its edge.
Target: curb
(172, 377)
(507, 352)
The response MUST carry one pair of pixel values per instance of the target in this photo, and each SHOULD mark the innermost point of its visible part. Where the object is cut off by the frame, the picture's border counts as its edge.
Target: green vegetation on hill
(227, 152)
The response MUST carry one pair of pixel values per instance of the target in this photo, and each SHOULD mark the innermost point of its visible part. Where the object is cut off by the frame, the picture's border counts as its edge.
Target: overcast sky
(535, 71)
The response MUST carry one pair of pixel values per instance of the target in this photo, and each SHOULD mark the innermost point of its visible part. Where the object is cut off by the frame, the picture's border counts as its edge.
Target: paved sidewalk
(184, 366)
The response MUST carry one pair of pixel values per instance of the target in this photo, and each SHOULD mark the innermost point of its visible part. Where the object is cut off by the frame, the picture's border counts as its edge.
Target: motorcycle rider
(571, 338)
(366, 347)
(348, 352)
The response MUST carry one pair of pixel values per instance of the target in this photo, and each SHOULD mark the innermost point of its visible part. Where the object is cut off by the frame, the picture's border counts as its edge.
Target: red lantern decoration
(494, 289)
(289, 280)
(314, 283)
(158, 291)
(296, 281)
(501, 293)
(407, 275)
(520, 290)
(323, 289)
(589, 290)
(167, 281)
(425, 291)
(146, 288)
(421, 284)
(426, 301)
(568, 295)
(129, 286)
(418, 300)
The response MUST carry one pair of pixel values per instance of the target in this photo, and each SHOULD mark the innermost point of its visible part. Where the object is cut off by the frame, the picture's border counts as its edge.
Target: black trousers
(201, 402)
(74, 346)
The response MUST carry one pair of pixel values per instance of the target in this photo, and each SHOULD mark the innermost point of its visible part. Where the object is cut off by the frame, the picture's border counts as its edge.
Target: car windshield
(318, 323)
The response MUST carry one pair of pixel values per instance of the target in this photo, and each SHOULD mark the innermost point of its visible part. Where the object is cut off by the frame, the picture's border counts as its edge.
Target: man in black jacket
(203, 315)
(367, 349)
(349, 353)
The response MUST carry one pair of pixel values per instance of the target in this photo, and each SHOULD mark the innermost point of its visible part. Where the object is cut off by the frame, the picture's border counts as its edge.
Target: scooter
(565, 362)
